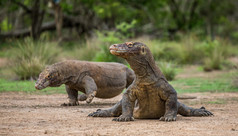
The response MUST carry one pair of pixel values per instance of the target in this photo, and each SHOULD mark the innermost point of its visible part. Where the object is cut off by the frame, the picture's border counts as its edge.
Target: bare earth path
(25, 114)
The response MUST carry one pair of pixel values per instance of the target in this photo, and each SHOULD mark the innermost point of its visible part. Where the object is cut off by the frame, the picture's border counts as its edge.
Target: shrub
(215, 54)
(125, 29)
(164, 50)
(214, 61)
(168, 69)
(107, 38)
(86, 52)
(189, 50)
(29, 57)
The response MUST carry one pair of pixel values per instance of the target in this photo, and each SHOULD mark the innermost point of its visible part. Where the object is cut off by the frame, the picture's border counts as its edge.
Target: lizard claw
(70, 104)
(123, 119)
(168, 119)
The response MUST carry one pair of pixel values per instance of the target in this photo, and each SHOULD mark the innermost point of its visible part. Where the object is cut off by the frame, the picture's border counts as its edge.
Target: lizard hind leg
(82, 97)
(90, 88)
(90, 96)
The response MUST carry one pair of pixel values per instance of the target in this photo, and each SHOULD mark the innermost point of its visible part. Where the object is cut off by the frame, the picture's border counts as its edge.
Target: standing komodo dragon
(150, 93)
(94, 79)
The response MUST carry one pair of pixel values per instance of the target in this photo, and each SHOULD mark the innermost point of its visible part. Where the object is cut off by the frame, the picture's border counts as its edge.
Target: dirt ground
(27, 114)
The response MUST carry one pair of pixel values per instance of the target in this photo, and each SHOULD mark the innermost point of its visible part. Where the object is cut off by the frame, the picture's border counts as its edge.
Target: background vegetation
(36, 33)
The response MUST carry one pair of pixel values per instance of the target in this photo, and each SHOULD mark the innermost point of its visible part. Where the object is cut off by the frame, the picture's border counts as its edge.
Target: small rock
(45, 132)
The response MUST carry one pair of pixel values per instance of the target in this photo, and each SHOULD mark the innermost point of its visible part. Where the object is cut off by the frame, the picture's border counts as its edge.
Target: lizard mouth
(116, 51)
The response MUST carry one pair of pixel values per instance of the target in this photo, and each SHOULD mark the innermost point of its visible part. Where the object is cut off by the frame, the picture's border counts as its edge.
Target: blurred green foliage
(106, 39)
(5, 26)
(29, 57)
(159, 18)
(176, 31)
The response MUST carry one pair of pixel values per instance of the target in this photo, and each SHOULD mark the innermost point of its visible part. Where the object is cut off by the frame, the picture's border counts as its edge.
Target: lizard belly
(149, 106)
(109, 92)
(110, 84)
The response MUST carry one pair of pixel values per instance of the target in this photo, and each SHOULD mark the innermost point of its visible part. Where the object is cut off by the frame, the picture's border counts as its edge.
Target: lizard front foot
(123, 118)
(71, 103)
(168, 118)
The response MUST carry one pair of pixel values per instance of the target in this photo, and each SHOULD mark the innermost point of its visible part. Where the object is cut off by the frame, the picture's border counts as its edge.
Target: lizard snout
(113, 47)
(37, 86)
(41, 85)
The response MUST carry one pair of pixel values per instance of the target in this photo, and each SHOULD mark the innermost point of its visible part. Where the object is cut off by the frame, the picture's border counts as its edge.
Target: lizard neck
(139, 67)
(145, 68)
(64, 76)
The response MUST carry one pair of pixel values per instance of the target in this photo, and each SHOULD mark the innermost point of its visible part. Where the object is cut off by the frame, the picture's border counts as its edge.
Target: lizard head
(48, 77)
(129, 49)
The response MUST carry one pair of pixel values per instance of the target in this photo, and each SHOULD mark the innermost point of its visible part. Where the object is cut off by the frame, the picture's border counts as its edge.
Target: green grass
(217, 84)
(218, 101)
(221, 83)
(28, 87)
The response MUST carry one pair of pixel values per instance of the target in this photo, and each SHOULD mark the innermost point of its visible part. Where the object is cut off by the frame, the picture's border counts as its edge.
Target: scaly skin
(150, 93)
(94, 79)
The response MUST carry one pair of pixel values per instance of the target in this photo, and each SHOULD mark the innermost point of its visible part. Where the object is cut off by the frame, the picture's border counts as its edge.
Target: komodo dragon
(150, 95)
(94, 79)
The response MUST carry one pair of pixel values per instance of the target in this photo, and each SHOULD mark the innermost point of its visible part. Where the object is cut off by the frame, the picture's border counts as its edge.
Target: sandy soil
(27, 114)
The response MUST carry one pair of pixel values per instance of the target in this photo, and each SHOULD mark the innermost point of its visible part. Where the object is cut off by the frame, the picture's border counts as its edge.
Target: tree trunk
(58, 19)
(37, 18)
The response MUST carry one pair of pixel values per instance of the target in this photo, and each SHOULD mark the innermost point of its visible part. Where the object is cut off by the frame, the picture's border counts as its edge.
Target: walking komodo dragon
(150, 95)
(94, 79)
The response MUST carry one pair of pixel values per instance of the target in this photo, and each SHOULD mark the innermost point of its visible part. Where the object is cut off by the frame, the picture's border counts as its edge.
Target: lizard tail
(189, 111)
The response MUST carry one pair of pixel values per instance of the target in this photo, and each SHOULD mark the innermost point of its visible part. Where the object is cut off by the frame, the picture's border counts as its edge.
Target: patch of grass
(217, 84)
(28, 87)
(217, 101)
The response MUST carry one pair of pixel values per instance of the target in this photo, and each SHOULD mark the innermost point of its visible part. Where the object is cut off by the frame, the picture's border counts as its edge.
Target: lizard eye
(130, 45)
(143, 49)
